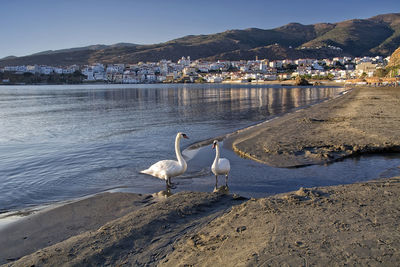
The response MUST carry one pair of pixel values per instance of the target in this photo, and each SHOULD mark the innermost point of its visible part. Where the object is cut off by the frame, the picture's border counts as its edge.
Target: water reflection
(192, 101)
(163, 193)
(224, 189)
(61, 142)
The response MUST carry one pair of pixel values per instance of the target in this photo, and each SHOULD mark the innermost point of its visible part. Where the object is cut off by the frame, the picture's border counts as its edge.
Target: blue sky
(30, 26)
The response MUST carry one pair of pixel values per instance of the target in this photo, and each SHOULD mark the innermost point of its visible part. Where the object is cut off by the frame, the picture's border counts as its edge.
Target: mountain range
(379, 35)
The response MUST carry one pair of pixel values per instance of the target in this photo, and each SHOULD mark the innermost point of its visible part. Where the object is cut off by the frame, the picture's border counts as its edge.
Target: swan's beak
(185, 136)
(213, 146)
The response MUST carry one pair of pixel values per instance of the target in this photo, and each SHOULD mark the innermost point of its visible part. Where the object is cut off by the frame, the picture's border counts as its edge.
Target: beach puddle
(253, 179)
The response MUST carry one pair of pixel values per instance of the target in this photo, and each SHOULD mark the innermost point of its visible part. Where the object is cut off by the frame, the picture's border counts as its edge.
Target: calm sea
(64, 142)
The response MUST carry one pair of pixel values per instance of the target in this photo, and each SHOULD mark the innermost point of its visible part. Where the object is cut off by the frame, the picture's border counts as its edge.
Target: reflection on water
(62, 142)
(252, 179)
(48, 114)
(224, 189)
(163, 193)
(220, 100)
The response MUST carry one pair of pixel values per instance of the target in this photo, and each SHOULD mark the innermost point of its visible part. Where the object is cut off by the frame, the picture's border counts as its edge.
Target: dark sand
(51, 226)
(143, 236)
(354, 224)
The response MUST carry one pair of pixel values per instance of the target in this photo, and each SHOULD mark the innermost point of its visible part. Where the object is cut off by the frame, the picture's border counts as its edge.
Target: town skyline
(339, 69)
(32, 27)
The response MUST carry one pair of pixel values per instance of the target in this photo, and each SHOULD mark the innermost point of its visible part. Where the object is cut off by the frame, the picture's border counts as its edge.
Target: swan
(220, 165)
(165, 169)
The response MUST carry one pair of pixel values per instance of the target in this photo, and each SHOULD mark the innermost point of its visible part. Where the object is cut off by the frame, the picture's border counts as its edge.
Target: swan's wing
(224, 165)
(164, 169)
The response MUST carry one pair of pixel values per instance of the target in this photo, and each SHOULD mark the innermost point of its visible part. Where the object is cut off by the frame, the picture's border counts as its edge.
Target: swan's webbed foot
(170, 185)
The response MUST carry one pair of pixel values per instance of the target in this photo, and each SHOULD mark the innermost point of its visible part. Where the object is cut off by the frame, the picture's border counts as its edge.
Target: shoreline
(229, 138)
(19, 213)
(362, 121)
(322, 224)
(277, 82)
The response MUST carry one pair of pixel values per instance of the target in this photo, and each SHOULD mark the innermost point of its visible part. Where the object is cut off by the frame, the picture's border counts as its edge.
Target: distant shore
(277, 82)
(353, 224)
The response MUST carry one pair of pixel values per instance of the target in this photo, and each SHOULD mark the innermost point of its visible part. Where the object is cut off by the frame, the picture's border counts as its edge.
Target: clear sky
(31, 26)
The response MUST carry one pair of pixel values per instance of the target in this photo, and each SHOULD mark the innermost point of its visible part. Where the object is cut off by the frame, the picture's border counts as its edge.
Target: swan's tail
(152, 172)
(147, 171)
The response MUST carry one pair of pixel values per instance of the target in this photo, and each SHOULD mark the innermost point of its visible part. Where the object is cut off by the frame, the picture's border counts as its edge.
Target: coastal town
(200, 133)
(185, 70)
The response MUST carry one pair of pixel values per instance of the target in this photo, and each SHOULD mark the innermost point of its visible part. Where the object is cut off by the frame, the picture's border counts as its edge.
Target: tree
(301, 81)
(200, 80)
(77, 73)
(28, 74)
(381, 73)
(392, 71)
(363, 75)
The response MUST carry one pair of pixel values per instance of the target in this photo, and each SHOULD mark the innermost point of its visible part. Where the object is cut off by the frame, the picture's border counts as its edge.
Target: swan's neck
(181, 160)
(216, 153)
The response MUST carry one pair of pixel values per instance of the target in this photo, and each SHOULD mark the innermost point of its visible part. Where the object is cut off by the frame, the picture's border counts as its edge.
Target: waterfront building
(366, 67)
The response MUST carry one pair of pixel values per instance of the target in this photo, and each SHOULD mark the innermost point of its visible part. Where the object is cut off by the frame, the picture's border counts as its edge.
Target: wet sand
(355, 224)
(143, 236)
(55, 224)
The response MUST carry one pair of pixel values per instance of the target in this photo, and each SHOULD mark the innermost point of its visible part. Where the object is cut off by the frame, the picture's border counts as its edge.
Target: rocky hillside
(395, 58)
(379, 35)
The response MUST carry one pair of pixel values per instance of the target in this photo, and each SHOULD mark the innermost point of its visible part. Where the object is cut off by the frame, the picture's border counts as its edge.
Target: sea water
(67, 141)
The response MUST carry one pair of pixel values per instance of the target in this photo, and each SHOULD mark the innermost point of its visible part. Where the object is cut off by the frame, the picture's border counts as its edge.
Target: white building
(46, 70)
(58, 70)
(184, 61)
(89, 74)
(367, 67)
(33, 68)
(100, 76)
(316, 66)
(189, 71)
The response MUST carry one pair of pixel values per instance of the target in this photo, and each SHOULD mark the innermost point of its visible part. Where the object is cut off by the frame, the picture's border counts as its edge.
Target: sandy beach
(365, 120)
(356, 224)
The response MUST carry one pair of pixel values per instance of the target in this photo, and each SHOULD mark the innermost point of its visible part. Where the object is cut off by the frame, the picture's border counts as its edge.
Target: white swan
(220, 165)
(165, 169)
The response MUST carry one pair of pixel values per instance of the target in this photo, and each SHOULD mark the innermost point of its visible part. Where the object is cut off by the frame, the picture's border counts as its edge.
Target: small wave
(200, 144)
(200, 173)
(391, 172)
(189, 153)
(117, 133)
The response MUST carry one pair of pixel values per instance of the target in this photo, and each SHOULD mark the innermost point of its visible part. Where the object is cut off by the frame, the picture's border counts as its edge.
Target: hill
(395, 58)
(393, 68)
(357, 37)
(379, 35)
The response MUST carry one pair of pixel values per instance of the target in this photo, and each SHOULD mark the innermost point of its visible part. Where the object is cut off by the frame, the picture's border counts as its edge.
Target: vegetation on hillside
(357, 36)
(393, 68)
(30, 78)
(378, 35)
